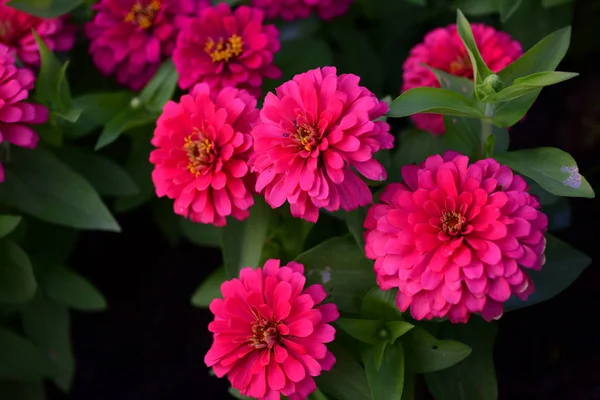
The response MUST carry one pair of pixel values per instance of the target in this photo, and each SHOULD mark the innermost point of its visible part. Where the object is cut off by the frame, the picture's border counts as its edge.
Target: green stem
(408, 391)
(487, 129)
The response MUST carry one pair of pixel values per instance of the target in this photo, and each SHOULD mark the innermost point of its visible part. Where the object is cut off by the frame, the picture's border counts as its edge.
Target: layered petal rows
(289, 10)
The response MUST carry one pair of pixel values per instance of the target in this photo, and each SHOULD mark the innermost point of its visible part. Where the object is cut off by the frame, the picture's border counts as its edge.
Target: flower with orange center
(142, 13)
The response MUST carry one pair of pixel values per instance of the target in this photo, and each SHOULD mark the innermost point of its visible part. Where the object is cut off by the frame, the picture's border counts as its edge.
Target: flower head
(269, 332)
(443, 49)
(130, 38)
(15, 113)
(312, 131)
(290, 10)
(202, 150)
(456, 239)
(16, 33)
(224, 48)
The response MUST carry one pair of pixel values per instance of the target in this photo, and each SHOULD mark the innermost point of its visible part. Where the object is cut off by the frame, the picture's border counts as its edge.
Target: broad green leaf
(366, 330)
(432, 101)
(355, 220)
(21, 360)
(563, 266)
(380, 304)
(107, 177)
(22, 390)
(68, 287)
(508, 113)
(8, 223)
(17, 282)
(45, 8)
(480, 69)
(47, 325)
(414, 147)
(474, 377)
(527, 84)
(387, 381)
(39, 184)
(347, 380)
(341, 267)
(552, 168)
(554, 3)
(398, 329)
(97, 110)
(201, 234)
(508, 8)
(210, 288)
(48, 241)
(124, 121)
(544, 56)
(243, 241)
(425, 353)
(161, 87)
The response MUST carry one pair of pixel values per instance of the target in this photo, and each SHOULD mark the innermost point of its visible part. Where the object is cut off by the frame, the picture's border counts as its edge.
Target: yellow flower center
(200, 153)
(452, 222)
(224, 50)
(143, 13)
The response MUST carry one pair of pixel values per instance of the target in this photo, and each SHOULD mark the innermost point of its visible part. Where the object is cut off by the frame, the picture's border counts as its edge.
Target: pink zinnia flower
(225, 48)
(15, 113)
(130, 38)
(269, 332)
(202, 150)
(313, 131)
(456, 239)
(443, 49)
(289, 10)
(16, 33)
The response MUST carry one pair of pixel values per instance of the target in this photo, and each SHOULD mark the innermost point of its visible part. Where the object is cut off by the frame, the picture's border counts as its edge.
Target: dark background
(151, 342)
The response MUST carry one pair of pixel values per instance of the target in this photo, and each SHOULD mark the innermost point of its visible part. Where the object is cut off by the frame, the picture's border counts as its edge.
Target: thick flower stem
(487, 129)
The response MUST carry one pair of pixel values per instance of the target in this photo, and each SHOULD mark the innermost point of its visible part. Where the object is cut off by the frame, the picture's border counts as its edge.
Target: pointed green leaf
(552, 168)
(39, 184)
(432, 101)
(425, 353)
(347, 380)
(380, 304)
(564, 264)
(355, 220)
(477, 7)
(527, 84)
(96, 110)
(45, 8)
(8, 223)
(387, 381)
(21, 360)
(210, 288)
(378, 352)
(508, 8)
(398, 328)
(509, 113)
(365, 330)
(480, 69)
(414, 147)
(122, 122)
(17, 282)
(161, 87)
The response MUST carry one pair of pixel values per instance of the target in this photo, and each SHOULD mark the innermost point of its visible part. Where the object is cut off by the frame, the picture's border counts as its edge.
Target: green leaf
(387, 381)
(432, 101)
(107, 177)
(39, 184)
(564, 264)
(480, 69)
(302, 54)
(398, 328)
(17, 282)
(201, 234)
(210, 288)
(347, 380)
(45, 8)
(243, 241)
(236, 394)
(47, 324)
(8, 223)
(365, 330)
(509, 113)
(414, 147)
(161, 87)
(380, 304)
(527, 84)
(49, 241)
(544, 56)
(425, 353)
(122, 122)
(554, 3)
(508, 8)
(21, 360)
(477, 7)
(22, 391)
(355, 220)
(474, 377)
(341, 267)
(554, 170)
(68, 287)
(97, 110)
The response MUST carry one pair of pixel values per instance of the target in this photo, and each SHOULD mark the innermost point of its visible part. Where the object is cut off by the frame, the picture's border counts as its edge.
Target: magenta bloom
(312, 132)
(16, 33)
(443, 49)
(456, 239)
(289, 10)
(130, 38)
(15, 113)
(224, 48)
(202, 149)
(269, 332)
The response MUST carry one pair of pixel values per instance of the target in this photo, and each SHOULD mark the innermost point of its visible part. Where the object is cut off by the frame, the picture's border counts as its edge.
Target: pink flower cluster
(270, 332)
(456, 239)
(289, 10)
(442, 48)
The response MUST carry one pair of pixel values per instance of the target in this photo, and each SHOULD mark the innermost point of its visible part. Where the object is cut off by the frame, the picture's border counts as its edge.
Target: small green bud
(384, 333)
(494, 82)
(135, 103)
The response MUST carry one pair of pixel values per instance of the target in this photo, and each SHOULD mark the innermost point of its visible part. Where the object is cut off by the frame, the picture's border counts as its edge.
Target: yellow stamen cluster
(143, 14)
(198, 153)
(224, 50)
